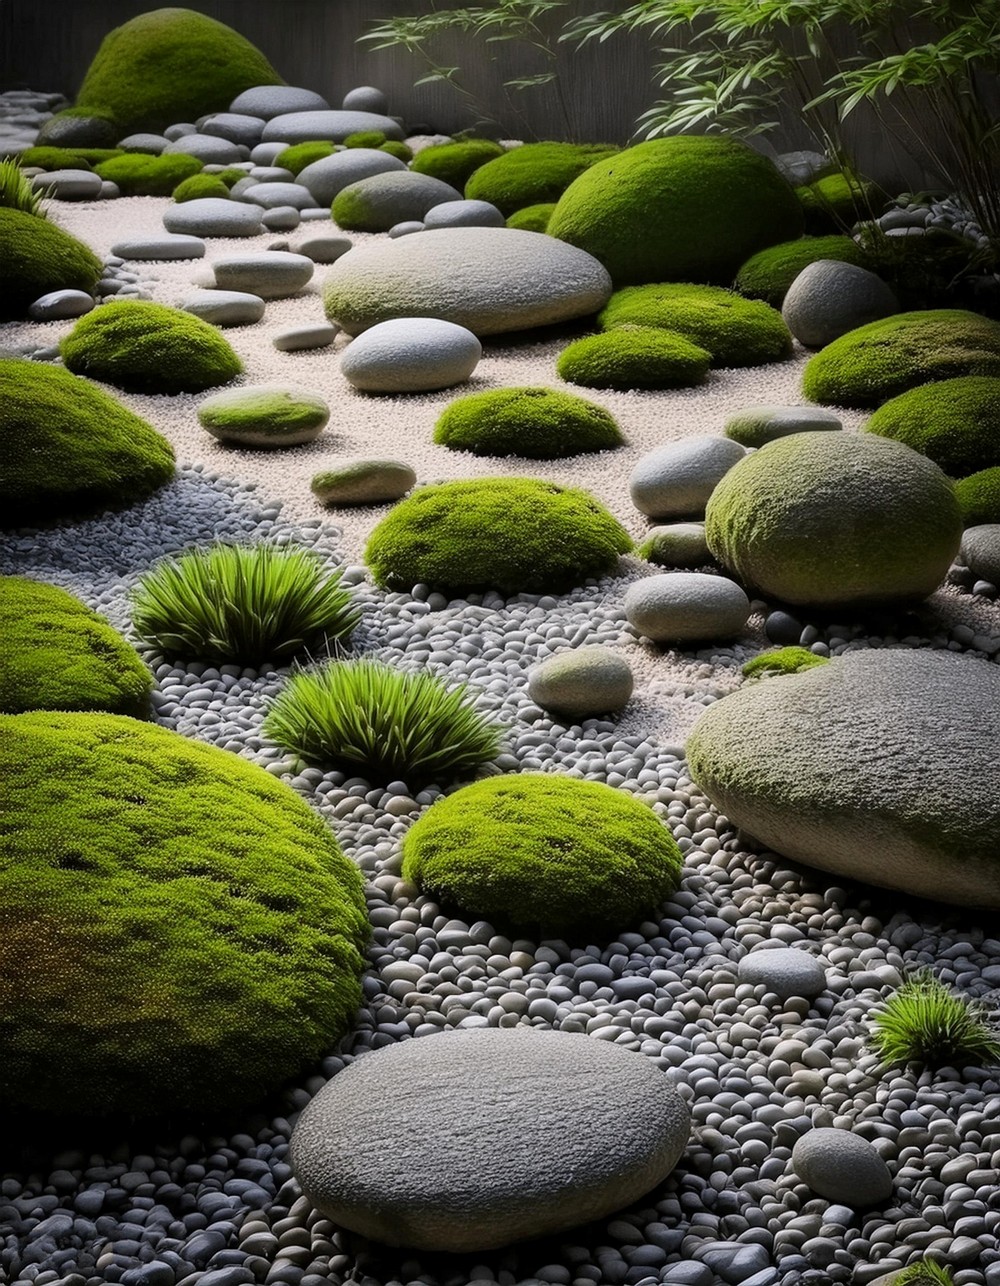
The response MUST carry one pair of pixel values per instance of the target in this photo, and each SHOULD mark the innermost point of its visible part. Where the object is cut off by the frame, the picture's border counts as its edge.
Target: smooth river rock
(224, 307)
(582, 682)
(842, 1167)
(168, 247)
(676, 480)
(686, 607)
(270, 274)
(214, 216)
(333, 126)
(411, 355)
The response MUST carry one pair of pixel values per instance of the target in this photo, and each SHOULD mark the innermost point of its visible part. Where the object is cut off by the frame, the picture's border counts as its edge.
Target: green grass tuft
(926, 1022)
(17, 191)
(926, 1272)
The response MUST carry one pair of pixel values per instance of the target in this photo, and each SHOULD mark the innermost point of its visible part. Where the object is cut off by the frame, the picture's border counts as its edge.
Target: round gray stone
(214, 217)
(676, 480)
(58, 305)
(364, 482)
(323, 247)
(785, 971)
(980, 551)
(828, 298)
(270, 174)
(582, 682)
(842, 1167)
(160, 249)
(679, 544)
(225, 307)
(464, 214)
(272, 195)
(397, 196)
(266, 153)
(271, 274)
(69, 185)
(365, 98)
(304, 127)
(268, 101)
(179, 129)
(331, 174)
(411, 355)
(488, 279)
(283, 218)
(237, 127)
(295, 339)
(150, 143)
(681, 607)
(405, 228)
(757, 425)
(206, 147)
(469, 1140)
(264, 415)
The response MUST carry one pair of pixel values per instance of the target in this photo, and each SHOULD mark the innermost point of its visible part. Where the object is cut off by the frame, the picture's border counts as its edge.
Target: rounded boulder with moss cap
(455, 162)
(634, 358)
(831, 519)
(768, 274)
(829, 766)
(533, 174)
(683, 209)
(534, 423)
(582, 682)
(363, 482)
(36, 258)
(181, 931)
(755, 426)
(955, 423)
(378, 203)
(264, 415)
(507, 534)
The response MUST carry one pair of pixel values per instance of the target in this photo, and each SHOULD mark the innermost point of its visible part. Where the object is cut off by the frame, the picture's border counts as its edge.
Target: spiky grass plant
(365, 713)
(926, 1022)
(925, 1272)
(242, 603)
(17, 191)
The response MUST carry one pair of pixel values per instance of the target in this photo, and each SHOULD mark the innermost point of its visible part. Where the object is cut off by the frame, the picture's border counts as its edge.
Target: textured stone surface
(271, 274)
(679, 607)
(331, 174)
(980, 551)
(842, 1167)
(68, 185)
(296, 339)
(785, 971)
(829, 298)
(208, 148)
(60, 304)
(323, 247)
(264, 415)
(755, 426)
(168, 247)
(378, 203)
(364, 482)
(582, 682)
(464, 214)
(225, 307)
(302, 127)
(676, 480)
(470, 1140)
(268, 101)
(213, 216)
(410, 355)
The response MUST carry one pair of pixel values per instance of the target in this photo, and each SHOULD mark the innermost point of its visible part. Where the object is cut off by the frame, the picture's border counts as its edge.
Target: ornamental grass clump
(926, 1022)
(368, 715)
(243, 603)
(17, 191)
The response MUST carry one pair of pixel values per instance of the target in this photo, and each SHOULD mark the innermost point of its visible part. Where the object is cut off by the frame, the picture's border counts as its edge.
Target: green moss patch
(68, 158)
(455, 163)
(199, 186)
(786, 660)
(534, 173)
(978, 497)
(37, 256)
(634, 358)
(837, 201)
(533, 218)
(299, 155)
(138, 174)
(955, 423)
(768, 274)
(535, 423)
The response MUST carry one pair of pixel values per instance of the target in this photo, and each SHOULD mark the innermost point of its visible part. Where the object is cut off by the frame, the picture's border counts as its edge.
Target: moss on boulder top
(955, 423)
(768, 274)
(454, 163)
(634, 357)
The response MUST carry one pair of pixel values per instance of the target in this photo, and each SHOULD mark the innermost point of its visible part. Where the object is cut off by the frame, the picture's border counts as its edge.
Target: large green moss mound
(532, 218)
(677, 209)
(978, 497)
(543, 850)
(768, 274)
(955, 423)
(535, 423)
(149, 348)
(199, 186)
(36, 256)
(59, 655)
(634, 358)
(179, 929)
(137, 174)
(509, 534)
(299, 155)
(734, 330)
(534, 173)
(874, 363)
(170, 65)
(66, 446)
(456, 162)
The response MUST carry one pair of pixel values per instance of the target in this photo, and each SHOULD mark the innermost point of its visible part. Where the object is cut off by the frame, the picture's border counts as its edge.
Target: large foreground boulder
(880, 766)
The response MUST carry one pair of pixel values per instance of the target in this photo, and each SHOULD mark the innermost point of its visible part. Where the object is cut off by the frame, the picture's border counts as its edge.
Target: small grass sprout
(366, 713)
(243, 603)
(926, 1022)
(925, 1272)
(17, 191)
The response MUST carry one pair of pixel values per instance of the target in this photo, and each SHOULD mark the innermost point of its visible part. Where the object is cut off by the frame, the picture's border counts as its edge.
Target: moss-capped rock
(532, 218)
(66, 446)
(955, 423)
(509, 534)
(456, 162)
(784, 660)
(137, 174)
(535, 423)
(836, 201)
(199, 186)
(542, 850)
(59, 655)
(377, 203)
(978, 497)
(534, 173)
(686, 209)
(149, 348)
(869, 365)
(826, 519)
(180, 929)
(299, 155)
(768, 274)
(67, 158)
(37, 256)
(632, 358)
(734, 330)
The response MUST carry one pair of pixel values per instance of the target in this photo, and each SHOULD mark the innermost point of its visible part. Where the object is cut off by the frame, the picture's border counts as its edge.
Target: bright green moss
(230, 177)
(978, 497)
(677, 209)
(37, 256)
(955, 423)
(59, 655)
(17, 192)
(926, 1272)
(149, 348)
(533, 218)
(869, 365)
(534, 173)
(299, 155)
(540, 850)
(395, 147)
(733, 330)
(68, 158)
(180, 930)
(372, 138)
(633, 359)
(534, 423)
(200, 185)
(786, 660)
(836, 201)
(455, 163)
(138, 174)
(768, 274)
(509, 534)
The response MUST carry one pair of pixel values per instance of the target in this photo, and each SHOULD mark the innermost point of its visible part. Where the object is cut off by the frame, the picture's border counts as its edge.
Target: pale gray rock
(268, 101)
(266, 153)
(365, 98)
(683, 607)
(239, 190)
(980, 551)
(469, 1140)
(405, 228)
(149, 143)
(214, 217)
(331, 174)
(323, 247)
(411, 355)
(68, 185)
(109, 191)
(179, 129)
(206, 147)
(160, 249)
(272, 195)
(283, 218)
(488, 279)
(464, 214)
(582, 682)
(271, 274)
(828, 298)
(237, 127)
(264, 415)
(678, 544)
(225, 307)
(676, 480)
(378, 203)
(755, 426)
(296, 339)
(302, 127)
(364, 482)
(784, 970)
(842, 1167)
(270, 174)
(58, 305)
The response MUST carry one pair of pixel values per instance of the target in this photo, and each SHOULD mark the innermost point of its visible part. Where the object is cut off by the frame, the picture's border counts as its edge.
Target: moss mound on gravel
(540, 849)
(180, 930)
(201, 185)
(455, 163)
(59, 655)
(834, 202)
(534, 173)
(677, 209)
(37, 256)
(534, 423)
(68, 158)
(149, 348)
(299, 155)
(955, 423)
(632, 358)
(978, 497)
(508, 534)
(137, 174)
(874, 363)
(768, 274)
(532, 218)
(66, 446)
(733, 330)
(786, 660)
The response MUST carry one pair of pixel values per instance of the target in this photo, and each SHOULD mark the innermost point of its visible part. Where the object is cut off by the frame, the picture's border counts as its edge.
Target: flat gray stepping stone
(275, 100)
(214, 217)
(333, 126)
(323, 247)
(757, 425)
(787, 971)
(271, 274)
(363, 482)
(58, 305)
(271, 195)
(264, 415)
(842, 1167)
(687, 607)
(411, 355)
(582, 682)
(165, 248)
(225, 307)
(69, 185)
(296, 339)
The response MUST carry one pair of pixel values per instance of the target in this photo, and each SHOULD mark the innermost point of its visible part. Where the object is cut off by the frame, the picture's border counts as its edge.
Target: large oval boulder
(475, 1139)
(335, 126)
(880, 766)
(329, 175)
(487, 279)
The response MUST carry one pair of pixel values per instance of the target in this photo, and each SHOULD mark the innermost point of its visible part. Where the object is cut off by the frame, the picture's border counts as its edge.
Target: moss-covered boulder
(299, 155)
(200, 186)
(508, 534)
(734, 330)
(149, 348)
(978, 497)
(378, 203)
(541, 850)
(955, 423)
(535, 423)
(684, 209)
(180, 929)
(831, 519)
(141, 175)
(67, 158)
(59, 655)
(634, 358)
(874, 363)
(830, 765)
(533, 174)
(533, 218)
(768, 274)
(454, 163)
(68, 447)
(37, 256)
